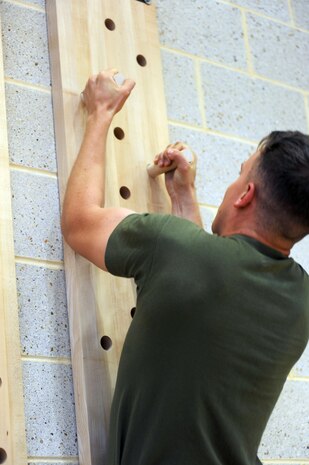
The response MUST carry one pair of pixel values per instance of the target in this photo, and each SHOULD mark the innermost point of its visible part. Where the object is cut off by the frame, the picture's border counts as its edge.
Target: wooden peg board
(12, 422)
(86, 36)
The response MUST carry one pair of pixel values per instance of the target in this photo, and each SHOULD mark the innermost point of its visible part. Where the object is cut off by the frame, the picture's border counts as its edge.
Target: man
(220, 319)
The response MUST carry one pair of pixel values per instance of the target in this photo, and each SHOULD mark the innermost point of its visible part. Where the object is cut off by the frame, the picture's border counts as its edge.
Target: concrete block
(36, 216)
(49, 409)
(279, 52)
(40, 3)
(25, 49)
(55, 463)
(302, 366)
(180, 88)
(43, 319)
(219, 161)
(301, 13)
(30, 128)
(208, 215)
(277, 9)
(208, 29)
(251, 108)
(287, 432)
(300, 253)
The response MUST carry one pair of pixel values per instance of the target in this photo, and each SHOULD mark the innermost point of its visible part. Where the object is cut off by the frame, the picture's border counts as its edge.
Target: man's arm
(180, 183)
(86, 225)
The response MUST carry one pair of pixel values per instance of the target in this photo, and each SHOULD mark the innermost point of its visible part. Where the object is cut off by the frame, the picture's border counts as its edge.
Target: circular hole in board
(132, 312)
(125, 192)
(119, 133)
(106, 342)
(141, 60)
(3, 455)
(109, 24)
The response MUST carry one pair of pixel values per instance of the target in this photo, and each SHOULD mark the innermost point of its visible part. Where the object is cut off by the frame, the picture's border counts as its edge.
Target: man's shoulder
(155, 222)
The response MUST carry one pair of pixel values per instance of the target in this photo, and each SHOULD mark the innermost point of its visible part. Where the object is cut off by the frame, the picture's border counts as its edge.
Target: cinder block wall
(45, 349)
(233, 72)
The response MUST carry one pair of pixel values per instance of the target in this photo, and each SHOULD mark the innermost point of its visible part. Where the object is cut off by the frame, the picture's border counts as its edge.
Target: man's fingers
(117, 77)
(156, 159)
(107, 73)
(183, 162)
(162, 159)
(184, 153)
(179, 146)
(128, 85)
(178, 153)
(175, 154)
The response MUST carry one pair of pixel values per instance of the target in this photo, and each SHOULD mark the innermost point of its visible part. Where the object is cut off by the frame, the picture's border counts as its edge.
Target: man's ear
(246, 197)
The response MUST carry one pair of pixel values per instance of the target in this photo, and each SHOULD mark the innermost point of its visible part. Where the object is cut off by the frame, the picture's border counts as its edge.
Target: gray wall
(233, 72)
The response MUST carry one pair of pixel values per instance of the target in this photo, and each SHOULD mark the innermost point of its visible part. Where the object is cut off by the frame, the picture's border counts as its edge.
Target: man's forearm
(180, 181)
(185, 206)
(85, 188)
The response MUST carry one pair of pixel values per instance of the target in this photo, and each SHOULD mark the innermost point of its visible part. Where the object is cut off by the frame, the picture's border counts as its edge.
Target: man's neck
(278, 243)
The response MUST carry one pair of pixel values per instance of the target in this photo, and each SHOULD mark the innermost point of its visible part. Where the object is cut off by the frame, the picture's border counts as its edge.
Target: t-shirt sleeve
(131, 246)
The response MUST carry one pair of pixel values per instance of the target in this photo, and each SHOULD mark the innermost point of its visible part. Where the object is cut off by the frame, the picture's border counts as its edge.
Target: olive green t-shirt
(219, 323)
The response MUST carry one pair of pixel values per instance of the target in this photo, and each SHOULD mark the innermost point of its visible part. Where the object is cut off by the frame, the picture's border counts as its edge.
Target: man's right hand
(102, 94)
(180, 181)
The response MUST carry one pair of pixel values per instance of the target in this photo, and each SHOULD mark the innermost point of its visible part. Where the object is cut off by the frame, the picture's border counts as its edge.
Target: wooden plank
(85, 37)
(12, 424)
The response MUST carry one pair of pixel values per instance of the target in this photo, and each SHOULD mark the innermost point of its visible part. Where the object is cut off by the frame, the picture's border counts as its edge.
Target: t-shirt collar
(263, 248)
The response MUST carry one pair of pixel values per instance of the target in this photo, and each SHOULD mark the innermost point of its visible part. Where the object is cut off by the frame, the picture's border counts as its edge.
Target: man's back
(218, 325)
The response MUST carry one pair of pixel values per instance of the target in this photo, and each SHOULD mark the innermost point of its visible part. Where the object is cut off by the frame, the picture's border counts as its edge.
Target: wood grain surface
(85, 37)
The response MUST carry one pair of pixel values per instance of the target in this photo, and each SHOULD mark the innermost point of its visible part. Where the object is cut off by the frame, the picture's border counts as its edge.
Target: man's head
(282, 179)
(274, 187)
